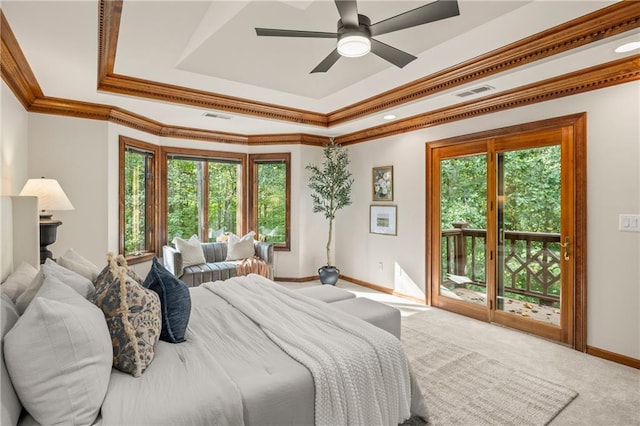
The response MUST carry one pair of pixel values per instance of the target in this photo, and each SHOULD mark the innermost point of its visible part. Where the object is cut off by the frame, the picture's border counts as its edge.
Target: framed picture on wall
(383, 220)
(382, 183)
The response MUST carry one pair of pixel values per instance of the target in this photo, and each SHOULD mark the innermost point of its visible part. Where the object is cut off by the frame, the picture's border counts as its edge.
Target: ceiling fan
(355, 31)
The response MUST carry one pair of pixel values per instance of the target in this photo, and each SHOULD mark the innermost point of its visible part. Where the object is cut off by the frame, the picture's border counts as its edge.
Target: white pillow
(80, 284)
(240, 248)
(11, 407)
(59, 356)
(76, 263)
(191, 250)
(19, 281)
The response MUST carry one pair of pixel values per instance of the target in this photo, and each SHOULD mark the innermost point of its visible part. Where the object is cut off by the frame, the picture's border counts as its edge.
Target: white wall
(613, 187)
(14, 135)
(82, 155)
(74, 151)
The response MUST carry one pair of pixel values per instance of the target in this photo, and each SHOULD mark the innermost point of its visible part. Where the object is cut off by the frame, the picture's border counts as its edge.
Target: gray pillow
(11, 407)
(76, 263)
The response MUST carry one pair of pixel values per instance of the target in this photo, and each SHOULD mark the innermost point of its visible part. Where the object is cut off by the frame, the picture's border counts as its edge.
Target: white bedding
(360, 372)
(230, 372)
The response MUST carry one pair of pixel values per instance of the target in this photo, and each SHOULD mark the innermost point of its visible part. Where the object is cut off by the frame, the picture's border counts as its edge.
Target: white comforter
(360, 372)
(231, 371)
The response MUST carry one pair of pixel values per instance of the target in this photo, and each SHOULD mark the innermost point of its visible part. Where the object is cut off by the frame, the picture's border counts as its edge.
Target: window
(270, 195)
(204, 194)
(137, 186)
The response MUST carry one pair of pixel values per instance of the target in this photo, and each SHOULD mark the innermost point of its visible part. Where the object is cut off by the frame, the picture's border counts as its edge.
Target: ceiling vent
(475, 91)
(215, 115)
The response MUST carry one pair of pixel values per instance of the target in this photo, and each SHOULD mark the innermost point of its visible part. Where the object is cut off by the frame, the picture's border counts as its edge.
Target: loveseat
(216, 267)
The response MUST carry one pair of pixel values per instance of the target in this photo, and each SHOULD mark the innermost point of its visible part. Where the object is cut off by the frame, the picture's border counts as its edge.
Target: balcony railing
(531, 260)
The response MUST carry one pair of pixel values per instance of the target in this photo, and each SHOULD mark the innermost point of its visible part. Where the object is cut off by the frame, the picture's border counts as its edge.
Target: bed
(255, 353)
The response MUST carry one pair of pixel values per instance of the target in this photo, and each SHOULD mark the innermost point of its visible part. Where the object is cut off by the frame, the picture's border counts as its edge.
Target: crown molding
(15, 70)
(603, 23)
(18, 75)
(604, 75)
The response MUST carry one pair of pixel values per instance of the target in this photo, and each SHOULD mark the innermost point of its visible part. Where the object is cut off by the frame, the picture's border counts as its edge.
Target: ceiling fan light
(354, 45)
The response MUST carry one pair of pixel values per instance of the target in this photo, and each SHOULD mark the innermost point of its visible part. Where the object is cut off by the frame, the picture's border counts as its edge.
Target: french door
(502, 227)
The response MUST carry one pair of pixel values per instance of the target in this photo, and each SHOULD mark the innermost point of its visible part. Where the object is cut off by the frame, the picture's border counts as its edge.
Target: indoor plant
(331, 190)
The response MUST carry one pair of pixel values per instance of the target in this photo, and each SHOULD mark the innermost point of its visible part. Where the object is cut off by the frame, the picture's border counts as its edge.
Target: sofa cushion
(59, 356)
(191, 251)
(175, 302)
(212, 271)
(133, 316)
(240, 248)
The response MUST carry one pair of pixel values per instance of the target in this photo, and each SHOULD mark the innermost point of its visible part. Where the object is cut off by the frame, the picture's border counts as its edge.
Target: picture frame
(382, 183)
(383, 220)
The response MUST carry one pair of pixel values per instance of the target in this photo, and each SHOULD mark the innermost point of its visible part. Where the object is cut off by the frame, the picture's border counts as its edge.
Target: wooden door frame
(575, 124)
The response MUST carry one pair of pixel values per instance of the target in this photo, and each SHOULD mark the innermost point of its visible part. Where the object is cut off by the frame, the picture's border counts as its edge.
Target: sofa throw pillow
(76, 263)
(191, 250)
(59, 356)
(18, 281)
(175, 302)
(133, 318)
(240, 248)
(11, 406)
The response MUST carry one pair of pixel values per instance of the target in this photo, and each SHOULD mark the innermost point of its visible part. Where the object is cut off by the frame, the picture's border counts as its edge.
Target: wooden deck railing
(531, 260)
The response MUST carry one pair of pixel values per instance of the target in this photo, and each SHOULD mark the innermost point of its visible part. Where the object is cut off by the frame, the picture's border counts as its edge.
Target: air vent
(215, 115)
(475, 91)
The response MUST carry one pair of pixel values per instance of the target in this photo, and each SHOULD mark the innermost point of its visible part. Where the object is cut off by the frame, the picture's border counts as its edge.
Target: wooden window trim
(152, 217)
(205, 155)
(254, 160)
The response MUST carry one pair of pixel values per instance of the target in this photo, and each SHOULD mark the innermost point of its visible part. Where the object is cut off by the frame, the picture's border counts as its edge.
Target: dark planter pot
(329, 275)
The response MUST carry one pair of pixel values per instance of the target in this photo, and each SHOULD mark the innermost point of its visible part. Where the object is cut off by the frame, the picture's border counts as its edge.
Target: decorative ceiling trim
(17, 74)
(609, 74)
(609, 21)
(603, 23)
(108, 81)
(15, 70)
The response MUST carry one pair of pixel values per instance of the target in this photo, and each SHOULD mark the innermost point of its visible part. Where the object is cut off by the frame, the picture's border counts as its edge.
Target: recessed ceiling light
(389, 117)
(628, 47)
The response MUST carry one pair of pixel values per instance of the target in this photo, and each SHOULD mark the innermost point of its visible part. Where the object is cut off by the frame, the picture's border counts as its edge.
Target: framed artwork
(383, 220)
(382, 183)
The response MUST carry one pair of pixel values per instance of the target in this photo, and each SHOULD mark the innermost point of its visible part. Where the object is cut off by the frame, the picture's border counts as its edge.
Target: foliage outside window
(138, 211)
(270, 197)
(203, 196)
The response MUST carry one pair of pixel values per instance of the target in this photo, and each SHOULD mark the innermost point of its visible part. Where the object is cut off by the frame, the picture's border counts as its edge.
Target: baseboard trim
(612, 356)
(382, 289)
(297, 280)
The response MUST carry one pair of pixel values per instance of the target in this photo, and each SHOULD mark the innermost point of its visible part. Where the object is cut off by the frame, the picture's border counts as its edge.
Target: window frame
(203, 155)
(254, 161)
(152, 246)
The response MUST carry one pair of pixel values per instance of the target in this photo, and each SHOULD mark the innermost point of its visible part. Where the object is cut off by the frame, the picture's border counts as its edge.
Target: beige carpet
(463, 387)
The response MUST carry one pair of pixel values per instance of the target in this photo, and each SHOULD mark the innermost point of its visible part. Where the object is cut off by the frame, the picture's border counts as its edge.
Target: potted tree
(331, 190)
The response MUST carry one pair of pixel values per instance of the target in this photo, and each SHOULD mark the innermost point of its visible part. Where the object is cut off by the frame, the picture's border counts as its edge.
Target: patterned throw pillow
(175, 301)
(133, 316)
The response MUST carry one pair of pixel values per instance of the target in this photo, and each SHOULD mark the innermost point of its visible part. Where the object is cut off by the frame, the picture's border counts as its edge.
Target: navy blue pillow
(175, 302)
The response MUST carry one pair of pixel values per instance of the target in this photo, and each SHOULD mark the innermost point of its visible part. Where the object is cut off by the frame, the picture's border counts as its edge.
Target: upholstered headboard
(19, 233)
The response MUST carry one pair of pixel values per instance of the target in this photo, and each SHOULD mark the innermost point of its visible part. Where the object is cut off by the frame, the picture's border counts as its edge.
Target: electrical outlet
(629, 223)
(380, 266)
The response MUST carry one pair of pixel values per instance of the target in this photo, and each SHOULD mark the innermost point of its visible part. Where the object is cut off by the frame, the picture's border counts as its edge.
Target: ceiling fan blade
(327, 62)
(348, 10)
(391, 54)
(269, 32)
(439, 9)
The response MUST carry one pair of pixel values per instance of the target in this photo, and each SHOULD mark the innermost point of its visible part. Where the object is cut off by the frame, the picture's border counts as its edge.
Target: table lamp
(50, 197)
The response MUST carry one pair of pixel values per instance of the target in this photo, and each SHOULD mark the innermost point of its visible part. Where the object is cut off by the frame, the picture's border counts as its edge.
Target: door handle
(565, 247)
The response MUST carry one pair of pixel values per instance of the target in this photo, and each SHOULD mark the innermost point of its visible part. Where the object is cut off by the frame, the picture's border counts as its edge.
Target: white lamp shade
(50, 194)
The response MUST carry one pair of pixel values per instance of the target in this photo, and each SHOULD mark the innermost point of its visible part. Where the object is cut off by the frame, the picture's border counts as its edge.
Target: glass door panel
(463, 224)
(529, 229)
